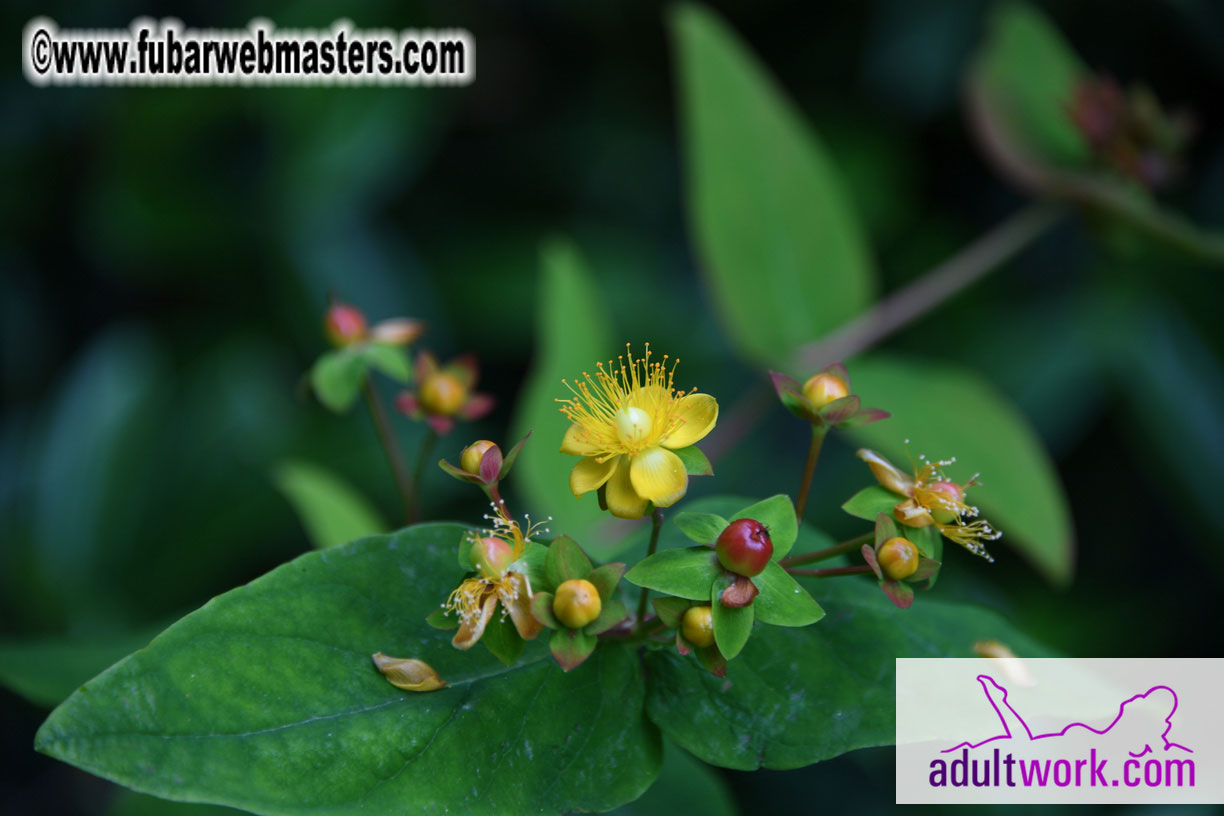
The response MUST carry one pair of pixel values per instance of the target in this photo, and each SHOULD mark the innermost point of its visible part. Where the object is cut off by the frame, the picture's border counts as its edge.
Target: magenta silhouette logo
(1048, 731)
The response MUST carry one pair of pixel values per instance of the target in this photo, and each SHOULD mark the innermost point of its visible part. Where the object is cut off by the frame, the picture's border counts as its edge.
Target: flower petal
(470, 632)
(520, 609)
(697, 414)
(408, 673)
(477, 406)
(886, 473)
(575, 443)
(658, 475)
(589, 474)
(622, 500)
(912, 514)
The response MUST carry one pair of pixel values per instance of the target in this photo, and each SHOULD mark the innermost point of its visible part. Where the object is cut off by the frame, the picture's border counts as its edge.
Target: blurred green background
(168, 255)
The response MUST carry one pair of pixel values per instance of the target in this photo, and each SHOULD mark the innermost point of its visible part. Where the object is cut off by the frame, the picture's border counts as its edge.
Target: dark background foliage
(168, 255)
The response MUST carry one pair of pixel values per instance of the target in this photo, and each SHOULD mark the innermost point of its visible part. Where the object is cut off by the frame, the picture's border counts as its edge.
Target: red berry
(744, 547)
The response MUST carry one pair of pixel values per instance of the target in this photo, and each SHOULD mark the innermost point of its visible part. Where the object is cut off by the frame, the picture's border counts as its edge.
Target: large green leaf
(331, 510)
(572, 334)
(797, 696)
(774, 230)
(267, 699)
(685, 785)
(946, 411)
(46, 670)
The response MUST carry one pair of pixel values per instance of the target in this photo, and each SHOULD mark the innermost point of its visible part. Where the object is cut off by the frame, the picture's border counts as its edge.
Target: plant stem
(809, 468)
(418, 473)
(828, 552)
(893, 313)
(832, 572)
(911, 302)
(387, 437)
(656, 525)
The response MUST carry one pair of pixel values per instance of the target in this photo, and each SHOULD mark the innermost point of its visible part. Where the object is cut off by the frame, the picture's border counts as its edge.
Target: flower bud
(898, 558)
(577, 603)
(744, 547)
(442, 394)
(470, 459)
(491, 556)
(821, 389)
(698, 626)
(344, 325)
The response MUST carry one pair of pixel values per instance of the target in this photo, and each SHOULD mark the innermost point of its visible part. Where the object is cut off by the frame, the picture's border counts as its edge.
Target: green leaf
(732, 625)
(128, 803)
(779, 242)
(927, 539)
(46, 670)
(570, 647)
(331, 510)
(685, 785)
(704, 528)
(1030, 73)
(441, 619)
(870, 502)
(566, 561)
(670, 610)
(795, 696)
(612, 613)
(336, 378)
(695, 462)
(572, 334)
(266, 699)
(606, 578)
(778, 515)
(390, 360)
(782, 601)
(542, 609)
(947, 411)
(686, 573)
(502, 640)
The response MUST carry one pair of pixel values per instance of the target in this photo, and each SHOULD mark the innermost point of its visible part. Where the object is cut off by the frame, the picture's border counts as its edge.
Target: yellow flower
(627, 421)
(931, 498)
(475, 600)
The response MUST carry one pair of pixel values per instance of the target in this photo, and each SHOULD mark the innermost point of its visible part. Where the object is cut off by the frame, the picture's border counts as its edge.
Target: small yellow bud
(408, 674)
(469, 460)
(821, 389)
(577, 603)
(491, 556)
(442, 394)
(898, 558)
(698, 626)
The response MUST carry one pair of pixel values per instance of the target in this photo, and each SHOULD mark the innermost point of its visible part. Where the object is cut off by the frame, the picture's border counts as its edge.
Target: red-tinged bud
(821, 389)
(744, 547)
(898, 558)
(577, 603)
(442, 395)
(698, 626)
(344, 325)
(491, 557)
(954, 494)
(469, 460)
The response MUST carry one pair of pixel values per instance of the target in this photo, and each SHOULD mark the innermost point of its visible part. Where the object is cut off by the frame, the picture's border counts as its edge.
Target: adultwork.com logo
(1064, 730)
(1128, 751)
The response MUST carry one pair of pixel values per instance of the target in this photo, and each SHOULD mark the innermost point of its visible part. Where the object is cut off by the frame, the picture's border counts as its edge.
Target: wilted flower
(628, 420)
(493, 556)
(932, 498)
(346, 325)
(444, 393)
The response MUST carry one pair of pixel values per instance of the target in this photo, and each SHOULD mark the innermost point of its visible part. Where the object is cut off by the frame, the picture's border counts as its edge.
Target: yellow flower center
(632, 425)
(626, 406)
